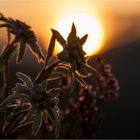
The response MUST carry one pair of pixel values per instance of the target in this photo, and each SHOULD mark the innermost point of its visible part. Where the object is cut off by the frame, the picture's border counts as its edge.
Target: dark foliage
(33, 104)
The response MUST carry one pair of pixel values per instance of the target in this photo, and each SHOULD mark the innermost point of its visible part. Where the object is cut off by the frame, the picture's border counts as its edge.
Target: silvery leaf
(54, 116)
(59, 38)
(23, 90)
(37, 122)
(12, 98)
(25, 79)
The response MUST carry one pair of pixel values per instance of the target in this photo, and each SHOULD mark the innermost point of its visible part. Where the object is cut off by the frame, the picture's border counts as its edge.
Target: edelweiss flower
(23, 35)
(40, 103)
(73, 52)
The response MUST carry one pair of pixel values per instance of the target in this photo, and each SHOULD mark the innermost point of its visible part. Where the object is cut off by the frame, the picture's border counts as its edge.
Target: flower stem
(6, 80)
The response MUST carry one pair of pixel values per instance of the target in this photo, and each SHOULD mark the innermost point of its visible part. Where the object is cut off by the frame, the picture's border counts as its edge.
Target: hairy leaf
(21, 125)
(83, 39)
(25, 79)
(30, 114)
(54, 92)
(73, 30)
(50, 49)
(19, 84)
(37, 122)
(17, 113)
(52, 101)
(12, 98)
(59, 38)
(54, 116)
(72, 34)
(45, 115)
(15, 121)
(43, 85)
(23, 90)
(45, 73)
(36, 49)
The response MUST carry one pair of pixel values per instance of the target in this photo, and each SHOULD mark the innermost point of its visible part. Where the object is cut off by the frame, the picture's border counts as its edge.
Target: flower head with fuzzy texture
(73, 52)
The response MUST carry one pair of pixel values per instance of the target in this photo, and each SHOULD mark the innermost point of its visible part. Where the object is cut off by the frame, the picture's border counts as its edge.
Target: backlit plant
(34, 103)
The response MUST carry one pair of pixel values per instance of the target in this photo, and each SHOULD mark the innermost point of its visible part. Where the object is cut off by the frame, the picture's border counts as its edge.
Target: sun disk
(85, 24)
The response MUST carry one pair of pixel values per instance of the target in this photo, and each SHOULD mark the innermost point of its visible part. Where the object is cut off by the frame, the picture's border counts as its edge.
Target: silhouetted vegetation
(36, 106)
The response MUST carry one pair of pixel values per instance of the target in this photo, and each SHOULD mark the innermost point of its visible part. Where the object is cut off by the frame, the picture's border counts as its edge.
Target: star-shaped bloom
(73, 52)
(23, 35)
(40, 103)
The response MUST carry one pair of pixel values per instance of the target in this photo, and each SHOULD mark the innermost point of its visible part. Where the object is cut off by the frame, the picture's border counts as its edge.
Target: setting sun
(85, 24)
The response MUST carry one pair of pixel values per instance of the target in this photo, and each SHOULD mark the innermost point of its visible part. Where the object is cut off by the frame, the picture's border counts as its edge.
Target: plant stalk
(6, 80)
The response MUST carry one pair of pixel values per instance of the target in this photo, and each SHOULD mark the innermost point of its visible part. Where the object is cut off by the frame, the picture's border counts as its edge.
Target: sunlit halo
(85, 24)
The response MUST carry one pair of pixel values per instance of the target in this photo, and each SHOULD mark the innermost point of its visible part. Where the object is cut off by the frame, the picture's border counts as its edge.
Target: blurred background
(120, 20)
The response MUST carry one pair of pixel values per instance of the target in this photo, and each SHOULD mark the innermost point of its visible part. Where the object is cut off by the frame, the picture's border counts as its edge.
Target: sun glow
(85, 24)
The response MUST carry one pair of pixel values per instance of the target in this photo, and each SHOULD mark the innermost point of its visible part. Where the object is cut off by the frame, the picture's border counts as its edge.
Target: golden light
(85, 24)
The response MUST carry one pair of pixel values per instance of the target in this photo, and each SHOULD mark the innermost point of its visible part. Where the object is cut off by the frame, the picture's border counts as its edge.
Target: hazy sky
(120, 18)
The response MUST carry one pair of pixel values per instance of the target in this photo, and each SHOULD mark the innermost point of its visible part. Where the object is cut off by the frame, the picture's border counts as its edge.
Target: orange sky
(117, 16)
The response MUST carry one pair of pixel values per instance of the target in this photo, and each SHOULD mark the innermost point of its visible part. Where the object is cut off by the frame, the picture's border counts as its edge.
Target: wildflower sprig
(36, 102)
(73, 57)
(23, 35)
(39, 102)
(73, 52)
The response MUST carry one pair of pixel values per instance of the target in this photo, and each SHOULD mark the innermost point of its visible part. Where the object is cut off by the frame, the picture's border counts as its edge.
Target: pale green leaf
(16, 119)
(23, 90)
(37, 122)
(12, 98)
(45, 115)
(30, 114)
(54, 116)
(25, 79)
